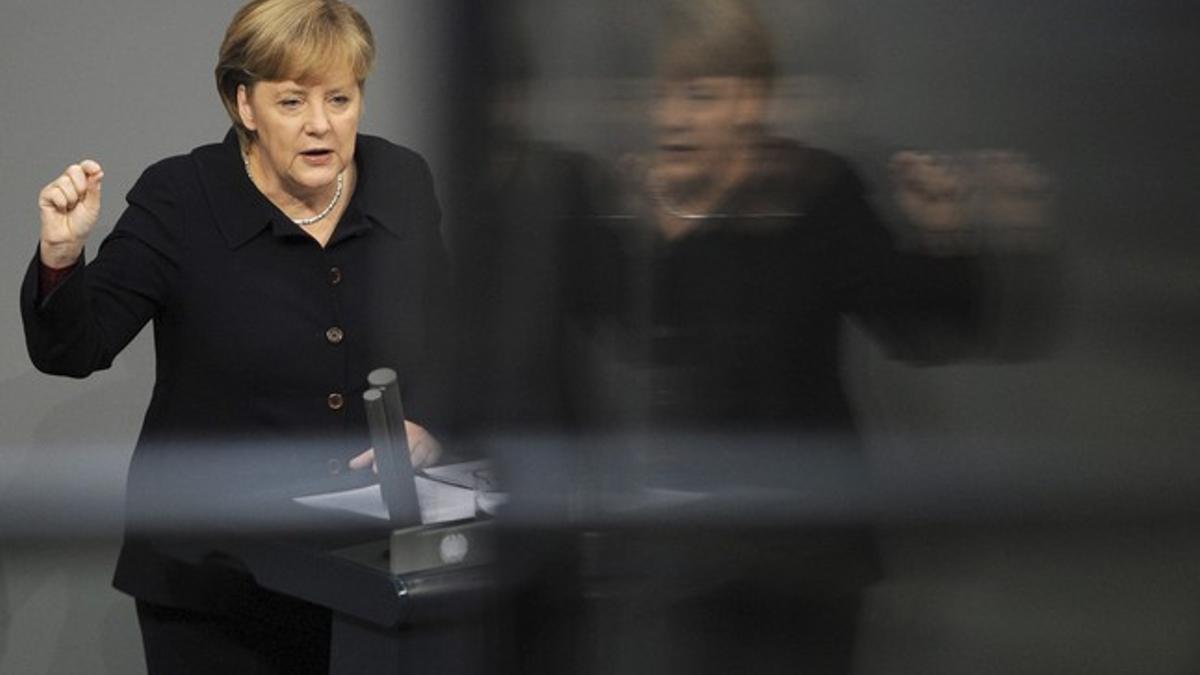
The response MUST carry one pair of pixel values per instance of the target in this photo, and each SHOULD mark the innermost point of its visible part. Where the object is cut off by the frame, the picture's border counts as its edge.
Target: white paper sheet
(439, 502)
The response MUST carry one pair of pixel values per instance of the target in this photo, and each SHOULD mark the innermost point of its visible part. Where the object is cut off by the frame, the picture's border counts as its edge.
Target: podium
(430, 620)
(600, 570)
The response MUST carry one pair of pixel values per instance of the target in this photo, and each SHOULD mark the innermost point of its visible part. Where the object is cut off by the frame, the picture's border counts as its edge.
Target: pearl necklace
(302, 222)
(664, 203)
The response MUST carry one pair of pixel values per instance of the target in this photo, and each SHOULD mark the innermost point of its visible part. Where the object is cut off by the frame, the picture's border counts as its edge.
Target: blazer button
(334, 335)
(334, 466)
(335, 276)
(335, 401)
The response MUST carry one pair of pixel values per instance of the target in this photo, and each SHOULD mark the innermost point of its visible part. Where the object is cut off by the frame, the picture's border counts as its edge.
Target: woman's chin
(315, 181)
(681, 184)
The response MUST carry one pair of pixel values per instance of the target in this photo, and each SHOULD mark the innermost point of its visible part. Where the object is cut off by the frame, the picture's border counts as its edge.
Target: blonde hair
(289, 40)
(715, 37)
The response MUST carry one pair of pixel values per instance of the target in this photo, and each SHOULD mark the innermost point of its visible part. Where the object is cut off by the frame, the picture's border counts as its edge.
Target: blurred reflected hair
(704, 38)
(294, 40)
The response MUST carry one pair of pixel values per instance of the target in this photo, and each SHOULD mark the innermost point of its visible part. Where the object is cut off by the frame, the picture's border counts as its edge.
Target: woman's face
(700, 124)
(304, 131)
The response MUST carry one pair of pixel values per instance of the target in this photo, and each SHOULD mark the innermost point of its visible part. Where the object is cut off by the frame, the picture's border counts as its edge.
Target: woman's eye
(290, 103)
(341, 100)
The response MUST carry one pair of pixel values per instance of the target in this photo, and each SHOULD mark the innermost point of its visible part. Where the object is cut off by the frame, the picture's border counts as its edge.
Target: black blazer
(738, 324)
(263, 339)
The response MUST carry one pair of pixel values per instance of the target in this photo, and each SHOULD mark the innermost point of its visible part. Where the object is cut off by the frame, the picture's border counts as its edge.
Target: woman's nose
(318, 120)
(671, 112)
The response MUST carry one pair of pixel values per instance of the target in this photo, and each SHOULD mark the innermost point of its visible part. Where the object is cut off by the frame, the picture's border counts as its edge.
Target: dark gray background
(1102, 95)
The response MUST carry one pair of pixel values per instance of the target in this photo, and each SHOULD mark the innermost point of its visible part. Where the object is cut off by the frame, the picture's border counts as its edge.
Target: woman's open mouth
(317, 156)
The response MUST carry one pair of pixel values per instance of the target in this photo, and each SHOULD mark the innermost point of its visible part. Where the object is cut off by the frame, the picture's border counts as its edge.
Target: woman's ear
(245, 110)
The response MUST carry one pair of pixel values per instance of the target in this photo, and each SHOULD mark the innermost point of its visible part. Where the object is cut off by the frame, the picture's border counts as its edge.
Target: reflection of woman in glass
(753, 247)
(726, 298)
(278, 267)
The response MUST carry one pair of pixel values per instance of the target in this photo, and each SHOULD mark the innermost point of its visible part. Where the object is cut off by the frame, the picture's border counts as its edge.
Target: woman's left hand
(423, 449)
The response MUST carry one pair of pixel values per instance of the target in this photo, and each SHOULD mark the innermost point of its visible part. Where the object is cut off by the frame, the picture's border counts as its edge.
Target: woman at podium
(277, 266)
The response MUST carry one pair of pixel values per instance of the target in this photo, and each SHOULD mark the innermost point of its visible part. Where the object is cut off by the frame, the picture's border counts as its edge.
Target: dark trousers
(263, 634)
